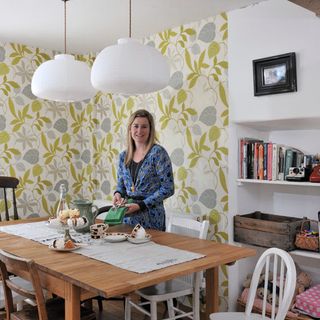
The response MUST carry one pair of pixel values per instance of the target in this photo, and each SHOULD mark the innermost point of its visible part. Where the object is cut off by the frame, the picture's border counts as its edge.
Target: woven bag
(306, 242)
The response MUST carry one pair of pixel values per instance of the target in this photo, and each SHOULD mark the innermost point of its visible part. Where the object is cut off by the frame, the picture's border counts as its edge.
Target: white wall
(266, 29)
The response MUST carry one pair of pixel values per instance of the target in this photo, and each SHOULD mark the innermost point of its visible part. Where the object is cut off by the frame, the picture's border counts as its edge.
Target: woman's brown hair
(152, 139)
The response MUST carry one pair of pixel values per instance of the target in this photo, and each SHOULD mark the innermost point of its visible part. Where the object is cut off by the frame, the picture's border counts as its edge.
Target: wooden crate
(266, 230)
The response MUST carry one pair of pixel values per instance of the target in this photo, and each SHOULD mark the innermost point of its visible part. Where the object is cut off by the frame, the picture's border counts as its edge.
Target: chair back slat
(9, 183)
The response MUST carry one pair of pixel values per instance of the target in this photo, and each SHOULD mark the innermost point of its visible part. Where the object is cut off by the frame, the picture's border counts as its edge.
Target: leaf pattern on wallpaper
(19, 52)
(165, 37)
(20, 116)
(39, 57)
(51, 148)
(197, 147)
(7, 86)
(46, 143)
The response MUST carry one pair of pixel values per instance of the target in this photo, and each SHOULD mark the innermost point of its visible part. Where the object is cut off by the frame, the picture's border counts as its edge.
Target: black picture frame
(276, 74)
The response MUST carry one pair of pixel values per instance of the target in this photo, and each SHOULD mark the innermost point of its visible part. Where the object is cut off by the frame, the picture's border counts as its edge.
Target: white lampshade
(130, 68)
(62, 79)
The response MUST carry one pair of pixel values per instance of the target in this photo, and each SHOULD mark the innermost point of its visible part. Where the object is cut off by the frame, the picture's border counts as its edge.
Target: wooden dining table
(75, 277)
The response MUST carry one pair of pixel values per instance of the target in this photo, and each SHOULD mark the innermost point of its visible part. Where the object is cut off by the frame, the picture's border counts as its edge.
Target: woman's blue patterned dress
(154, 183)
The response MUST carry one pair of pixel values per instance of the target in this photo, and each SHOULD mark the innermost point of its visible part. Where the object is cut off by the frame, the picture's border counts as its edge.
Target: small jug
(87, 210)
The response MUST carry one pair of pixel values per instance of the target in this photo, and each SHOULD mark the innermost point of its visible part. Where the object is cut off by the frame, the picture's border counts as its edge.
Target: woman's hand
(117, 199)
(132, 208)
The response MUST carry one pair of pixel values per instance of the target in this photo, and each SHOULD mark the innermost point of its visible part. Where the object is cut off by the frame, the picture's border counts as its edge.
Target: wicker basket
(306, 243)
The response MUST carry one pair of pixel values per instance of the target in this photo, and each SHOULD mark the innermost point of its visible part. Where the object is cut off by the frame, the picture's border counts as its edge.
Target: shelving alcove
(295, 199)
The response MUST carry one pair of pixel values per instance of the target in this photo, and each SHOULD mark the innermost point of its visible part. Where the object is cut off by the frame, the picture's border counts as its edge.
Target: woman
(144, 174)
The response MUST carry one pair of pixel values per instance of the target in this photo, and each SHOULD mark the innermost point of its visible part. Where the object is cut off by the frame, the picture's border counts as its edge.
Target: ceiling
(95, 24)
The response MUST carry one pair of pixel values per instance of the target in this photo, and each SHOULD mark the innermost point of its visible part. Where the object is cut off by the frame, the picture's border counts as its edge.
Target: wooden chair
(45, 309)
(12, 183)
(282, 268)
(177, 288)
(9, 183)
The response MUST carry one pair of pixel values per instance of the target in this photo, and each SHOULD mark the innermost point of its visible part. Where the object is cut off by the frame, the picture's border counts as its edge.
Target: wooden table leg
(212, 294)
(72, 302)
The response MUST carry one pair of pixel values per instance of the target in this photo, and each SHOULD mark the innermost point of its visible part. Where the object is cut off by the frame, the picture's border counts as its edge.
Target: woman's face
(140, 130)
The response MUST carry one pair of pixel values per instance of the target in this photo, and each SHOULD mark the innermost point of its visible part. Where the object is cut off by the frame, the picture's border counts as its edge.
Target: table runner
(139, 258)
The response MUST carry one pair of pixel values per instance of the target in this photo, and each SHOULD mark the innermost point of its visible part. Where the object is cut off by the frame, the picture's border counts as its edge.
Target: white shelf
(302, 253)
(278, 182)
(282, 124)
(307, 254)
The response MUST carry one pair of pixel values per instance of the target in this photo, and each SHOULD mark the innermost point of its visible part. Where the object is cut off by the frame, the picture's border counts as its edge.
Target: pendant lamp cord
(129, 18)
(65, 25)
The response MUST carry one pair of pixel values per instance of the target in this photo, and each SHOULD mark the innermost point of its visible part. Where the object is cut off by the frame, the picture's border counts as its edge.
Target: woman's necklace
(134, 170)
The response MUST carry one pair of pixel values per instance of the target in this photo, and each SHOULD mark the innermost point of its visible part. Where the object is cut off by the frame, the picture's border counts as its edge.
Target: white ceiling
(94, 24)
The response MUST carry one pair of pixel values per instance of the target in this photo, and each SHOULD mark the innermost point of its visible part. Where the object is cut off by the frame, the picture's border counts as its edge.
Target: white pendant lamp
(130, 67)
(64, 78)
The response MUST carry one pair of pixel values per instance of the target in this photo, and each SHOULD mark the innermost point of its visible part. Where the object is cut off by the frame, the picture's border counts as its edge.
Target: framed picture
(275, 74)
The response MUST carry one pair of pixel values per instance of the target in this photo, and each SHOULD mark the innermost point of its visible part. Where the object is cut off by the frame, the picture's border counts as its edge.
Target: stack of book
(266, 160)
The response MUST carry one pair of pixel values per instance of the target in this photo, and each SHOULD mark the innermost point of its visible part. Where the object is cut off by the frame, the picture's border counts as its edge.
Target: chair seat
(55, 311)
(236, 316)
(166, 290)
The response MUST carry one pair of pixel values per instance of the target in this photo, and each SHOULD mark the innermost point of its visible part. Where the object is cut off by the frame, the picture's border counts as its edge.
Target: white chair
(182, 286)
(282, 266)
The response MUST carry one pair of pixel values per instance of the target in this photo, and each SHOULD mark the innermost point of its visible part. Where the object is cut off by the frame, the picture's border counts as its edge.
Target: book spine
(240, 159)
(282, 153)
(265, 161)
(250, 155)
(244, 162)
(275, 161)
(288, 161)
(260, 162)
(255, 160)
(269, 165)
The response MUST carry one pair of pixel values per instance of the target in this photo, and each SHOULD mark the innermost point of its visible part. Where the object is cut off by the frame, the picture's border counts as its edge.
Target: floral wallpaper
(46, 143)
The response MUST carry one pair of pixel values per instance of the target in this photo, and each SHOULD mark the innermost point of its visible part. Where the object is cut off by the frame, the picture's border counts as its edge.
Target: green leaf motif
(214, 217)
(66, 138)
(4, 69)
(130, 104)
(182, 173)
(222, 94)
(109, 138)
(223, 181)
(190, 31)
(37, 170)
(214, 133)
(182, 96)
(192, 191)
(4, 137)
(12, 171)
(213, 49)
(188, 59)
(36, 106)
